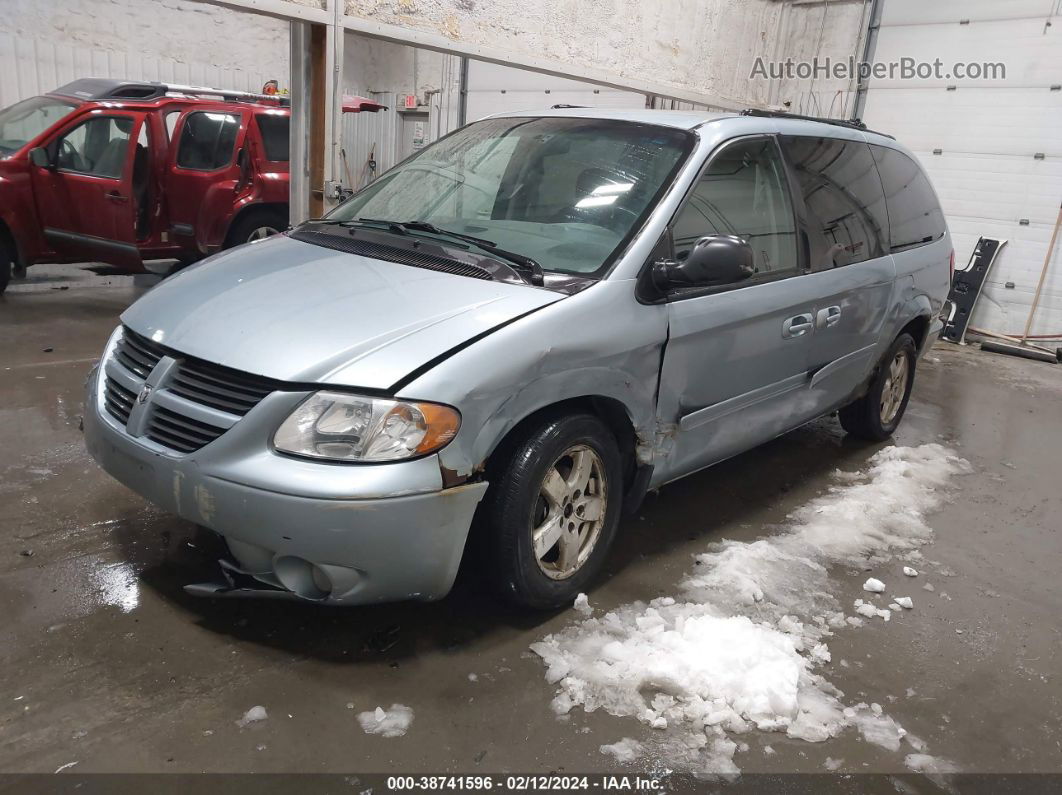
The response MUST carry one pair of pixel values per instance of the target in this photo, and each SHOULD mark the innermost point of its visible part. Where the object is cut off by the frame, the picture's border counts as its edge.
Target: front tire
(876, 415)
(552, 511)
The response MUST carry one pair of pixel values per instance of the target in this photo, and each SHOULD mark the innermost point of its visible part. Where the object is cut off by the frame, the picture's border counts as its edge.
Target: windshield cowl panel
(566, 193)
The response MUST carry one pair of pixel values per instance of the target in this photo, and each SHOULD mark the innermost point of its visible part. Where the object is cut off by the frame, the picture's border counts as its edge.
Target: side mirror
(38, 155)
(714, 261)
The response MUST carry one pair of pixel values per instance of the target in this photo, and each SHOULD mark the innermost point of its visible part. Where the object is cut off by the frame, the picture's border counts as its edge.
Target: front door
(86, 199)
(205, 174)
(735, 369)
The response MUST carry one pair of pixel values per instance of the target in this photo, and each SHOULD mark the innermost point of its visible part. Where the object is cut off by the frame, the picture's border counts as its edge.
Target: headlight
(346, 427)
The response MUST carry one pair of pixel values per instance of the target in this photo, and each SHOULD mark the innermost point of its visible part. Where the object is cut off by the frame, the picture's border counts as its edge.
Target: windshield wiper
(525, 265)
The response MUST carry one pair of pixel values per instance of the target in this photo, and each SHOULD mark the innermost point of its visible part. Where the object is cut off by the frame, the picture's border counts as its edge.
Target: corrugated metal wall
(31, 66)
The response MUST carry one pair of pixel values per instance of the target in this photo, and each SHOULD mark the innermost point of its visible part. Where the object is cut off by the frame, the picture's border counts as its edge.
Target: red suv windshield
(25, 120)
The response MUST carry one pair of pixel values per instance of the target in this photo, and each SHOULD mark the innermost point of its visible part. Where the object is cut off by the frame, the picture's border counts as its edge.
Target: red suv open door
(205, 172)
(87, 196)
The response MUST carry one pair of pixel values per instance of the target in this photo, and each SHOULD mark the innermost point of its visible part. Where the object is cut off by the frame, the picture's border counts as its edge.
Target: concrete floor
(105, 662)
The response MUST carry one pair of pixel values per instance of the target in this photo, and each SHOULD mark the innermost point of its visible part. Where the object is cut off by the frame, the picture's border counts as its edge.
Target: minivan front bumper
(330, 533)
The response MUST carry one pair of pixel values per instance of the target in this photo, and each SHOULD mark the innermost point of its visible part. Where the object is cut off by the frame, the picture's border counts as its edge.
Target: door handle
(116, 197)
(827, 317)
(796, 326)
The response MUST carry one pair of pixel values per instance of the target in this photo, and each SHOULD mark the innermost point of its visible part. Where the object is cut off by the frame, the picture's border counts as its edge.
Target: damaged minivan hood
(297, 312)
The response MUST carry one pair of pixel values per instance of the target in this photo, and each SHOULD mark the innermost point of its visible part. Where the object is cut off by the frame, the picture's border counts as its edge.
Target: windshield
(25, 120)
(564, 192)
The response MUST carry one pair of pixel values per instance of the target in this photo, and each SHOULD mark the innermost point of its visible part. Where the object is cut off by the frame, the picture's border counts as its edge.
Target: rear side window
(275, 134)
(207, 140)
(915, 216)
(842, 192)
(743, 192)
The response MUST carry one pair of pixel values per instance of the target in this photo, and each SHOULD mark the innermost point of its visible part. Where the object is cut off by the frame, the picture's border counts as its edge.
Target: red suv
(123, 172)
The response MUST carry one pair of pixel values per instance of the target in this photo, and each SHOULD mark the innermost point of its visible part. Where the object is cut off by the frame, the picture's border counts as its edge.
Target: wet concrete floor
(104, 661)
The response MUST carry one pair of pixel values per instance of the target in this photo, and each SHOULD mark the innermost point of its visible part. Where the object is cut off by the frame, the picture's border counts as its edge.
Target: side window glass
(97, 147)
(843, 195)
(743, 192)
(208, 140)
(275, 132)
(915, 216)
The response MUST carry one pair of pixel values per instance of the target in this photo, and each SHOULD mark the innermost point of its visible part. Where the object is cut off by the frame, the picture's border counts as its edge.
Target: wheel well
(918, 329)
(608, 410)
(253, 209)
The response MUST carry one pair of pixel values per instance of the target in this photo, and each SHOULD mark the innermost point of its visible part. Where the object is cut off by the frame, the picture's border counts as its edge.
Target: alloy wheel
(894, 388)
(570, 512)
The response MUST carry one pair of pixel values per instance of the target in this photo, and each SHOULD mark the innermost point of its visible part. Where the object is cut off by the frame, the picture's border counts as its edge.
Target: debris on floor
(909, 572)
(253, 715)
(874, 586)
(394, 722)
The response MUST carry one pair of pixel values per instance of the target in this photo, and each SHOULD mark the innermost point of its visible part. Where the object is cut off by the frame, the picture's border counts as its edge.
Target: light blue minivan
(507, 339)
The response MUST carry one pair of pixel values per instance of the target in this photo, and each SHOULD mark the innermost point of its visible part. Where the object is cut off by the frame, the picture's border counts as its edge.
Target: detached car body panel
(558, 278)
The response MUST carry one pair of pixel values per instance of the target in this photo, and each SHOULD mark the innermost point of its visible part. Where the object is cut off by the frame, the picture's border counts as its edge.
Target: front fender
(600, 343)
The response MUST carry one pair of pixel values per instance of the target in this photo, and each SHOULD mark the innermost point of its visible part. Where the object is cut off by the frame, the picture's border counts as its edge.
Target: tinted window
(743, 192)
(274, 131)
(97, 146)
(843, 195)
(915, 216)
(207, 140)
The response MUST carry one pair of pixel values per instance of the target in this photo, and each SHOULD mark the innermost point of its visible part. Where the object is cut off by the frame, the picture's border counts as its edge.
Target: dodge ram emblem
(145, 393)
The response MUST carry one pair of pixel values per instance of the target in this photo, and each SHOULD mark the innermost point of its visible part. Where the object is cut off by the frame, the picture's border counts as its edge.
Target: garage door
(992, 146)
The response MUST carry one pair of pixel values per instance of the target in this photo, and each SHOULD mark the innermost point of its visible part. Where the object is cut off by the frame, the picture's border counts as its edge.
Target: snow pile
(905, 602)
(909, 572)
(390, 723)
(739, 649)
(253, 715)
(626, 750)
(582, 605)
(874, 586)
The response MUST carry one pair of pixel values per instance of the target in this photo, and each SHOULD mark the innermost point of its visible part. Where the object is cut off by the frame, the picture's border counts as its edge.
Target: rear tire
(876, 415)
(563, 481)
(255, 225)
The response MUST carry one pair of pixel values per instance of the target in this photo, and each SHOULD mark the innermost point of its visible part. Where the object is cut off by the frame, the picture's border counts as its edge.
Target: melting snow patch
(909, 572)
(626, 750)
(874, 586)
(741, 645)
(582, 605)
(904, 602)
(390, 723)
(253, 715)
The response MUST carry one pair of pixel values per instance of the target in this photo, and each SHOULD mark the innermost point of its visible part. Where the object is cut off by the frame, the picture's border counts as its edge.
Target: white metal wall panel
(498, 89)
(31, 66)
(1014, 121)
(920, 12)
(987, 175)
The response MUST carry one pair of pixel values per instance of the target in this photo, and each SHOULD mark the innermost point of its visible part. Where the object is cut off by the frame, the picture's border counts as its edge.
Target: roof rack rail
(563, 106)
(95, 88)
(851, 124)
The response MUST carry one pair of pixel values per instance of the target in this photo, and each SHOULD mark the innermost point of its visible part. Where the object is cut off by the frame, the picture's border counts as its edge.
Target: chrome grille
(220, 387)
(117, 400)
(180, 433)
(205, 384)
(138, 354)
